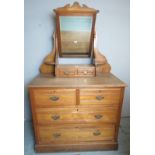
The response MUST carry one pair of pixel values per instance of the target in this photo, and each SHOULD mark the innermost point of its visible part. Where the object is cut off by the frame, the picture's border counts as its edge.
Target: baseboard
(83, 146)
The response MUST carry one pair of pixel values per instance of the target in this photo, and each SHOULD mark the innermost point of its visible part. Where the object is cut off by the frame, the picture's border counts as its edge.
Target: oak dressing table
(76, 107)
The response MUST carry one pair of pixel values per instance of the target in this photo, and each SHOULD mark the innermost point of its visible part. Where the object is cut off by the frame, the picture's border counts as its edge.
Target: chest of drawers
(75, 114)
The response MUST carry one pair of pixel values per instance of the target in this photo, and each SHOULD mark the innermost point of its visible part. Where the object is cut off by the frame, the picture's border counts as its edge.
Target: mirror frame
(75, 10)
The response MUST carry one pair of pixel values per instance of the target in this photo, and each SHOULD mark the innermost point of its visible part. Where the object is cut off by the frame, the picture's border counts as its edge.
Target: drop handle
(98, 116)
(99, 97)
(54, 98)
(56, 117)
(97, 133)
(56, 135)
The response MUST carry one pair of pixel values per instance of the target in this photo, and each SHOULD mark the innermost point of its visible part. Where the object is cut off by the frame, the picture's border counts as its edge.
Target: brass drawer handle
(98, 116)
(54, 98)
(55, 117)
(99, 97)
(56, 135)
(97, 133)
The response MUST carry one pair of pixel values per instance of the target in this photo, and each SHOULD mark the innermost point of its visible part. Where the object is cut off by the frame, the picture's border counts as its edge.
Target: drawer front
(100, 96)
(89, 71)
(54, 97)
(73, 133)
(49, 116)
(66, 72)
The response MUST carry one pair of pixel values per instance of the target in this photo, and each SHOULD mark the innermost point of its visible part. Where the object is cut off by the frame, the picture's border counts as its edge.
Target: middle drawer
(50, 116)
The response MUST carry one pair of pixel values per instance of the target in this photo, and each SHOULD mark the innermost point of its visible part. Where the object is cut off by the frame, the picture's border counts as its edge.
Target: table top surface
(102, 80)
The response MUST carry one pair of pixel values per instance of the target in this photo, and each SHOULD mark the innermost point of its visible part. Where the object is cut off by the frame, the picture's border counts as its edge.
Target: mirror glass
(75, 34)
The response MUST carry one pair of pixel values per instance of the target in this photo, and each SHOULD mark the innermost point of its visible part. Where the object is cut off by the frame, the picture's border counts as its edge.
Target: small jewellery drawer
(54, 97)
(72, 133)
(46, 116)
(89, 71)
(108, 96)
(66, 71)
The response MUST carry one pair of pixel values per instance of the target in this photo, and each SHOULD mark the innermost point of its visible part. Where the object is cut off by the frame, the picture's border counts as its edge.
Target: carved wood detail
(76, 7)
(48, 66)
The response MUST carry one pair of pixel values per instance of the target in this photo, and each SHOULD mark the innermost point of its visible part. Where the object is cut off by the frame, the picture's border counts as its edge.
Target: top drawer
(109, 96)
(47, 97)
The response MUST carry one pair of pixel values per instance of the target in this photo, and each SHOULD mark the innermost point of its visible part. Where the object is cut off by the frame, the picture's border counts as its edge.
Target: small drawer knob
(56, 117)
(97, 133)
(56, 135)
(98, 116)
(54, 98)
(99, 97)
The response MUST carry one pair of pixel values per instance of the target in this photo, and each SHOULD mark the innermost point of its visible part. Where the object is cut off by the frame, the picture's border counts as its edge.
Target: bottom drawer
(71, 133)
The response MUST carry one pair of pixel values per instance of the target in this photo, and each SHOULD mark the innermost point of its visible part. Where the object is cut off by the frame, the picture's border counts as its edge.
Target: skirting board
(90, 146)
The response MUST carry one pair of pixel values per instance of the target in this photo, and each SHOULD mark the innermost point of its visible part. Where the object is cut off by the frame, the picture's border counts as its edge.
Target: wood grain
(77, 146)
(100, 81)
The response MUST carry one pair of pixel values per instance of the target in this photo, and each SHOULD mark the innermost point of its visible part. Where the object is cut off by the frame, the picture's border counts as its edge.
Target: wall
(112, 27)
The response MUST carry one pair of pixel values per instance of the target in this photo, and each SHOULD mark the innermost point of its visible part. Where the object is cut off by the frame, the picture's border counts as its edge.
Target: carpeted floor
(124, 142)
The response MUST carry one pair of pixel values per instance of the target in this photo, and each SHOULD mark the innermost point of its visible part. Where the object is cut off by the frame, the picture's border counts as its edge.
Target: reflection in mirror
(75, 34)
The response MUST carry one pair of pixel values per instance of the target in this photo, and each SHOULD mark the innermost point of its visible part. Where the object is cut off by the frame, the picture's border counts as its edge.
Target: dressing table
(76, 107)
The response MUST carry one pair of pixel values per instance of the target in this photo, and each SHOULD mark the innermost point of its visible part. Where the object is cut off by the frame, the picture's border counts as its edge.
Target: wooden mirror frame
(75, 10)
(50, 63)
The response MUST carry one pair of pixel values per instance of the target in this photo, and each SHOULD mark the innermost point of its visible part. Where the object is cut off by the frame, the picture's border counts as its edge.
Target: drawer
(54, 97)
(66, 72)
(89, 71)
(72, 133)
(46, 116)
(100, 96)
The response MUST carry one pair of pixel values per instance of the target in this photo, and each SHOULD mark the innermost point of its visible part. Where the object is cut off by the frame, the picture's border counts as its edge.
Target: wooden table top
(103, 80)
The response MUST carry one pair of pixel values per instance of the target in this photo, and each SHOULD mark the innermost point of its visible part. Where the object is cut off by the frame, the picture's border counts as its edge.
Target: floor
(124, 141)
